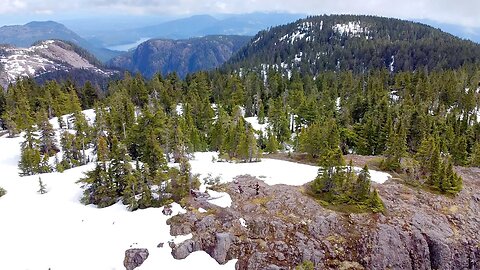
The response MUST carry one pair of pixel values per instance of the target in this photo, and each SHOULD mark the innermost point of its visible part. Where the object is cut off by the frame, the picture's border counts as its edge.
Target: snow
(257, 126)
(179, 109)
(272, 171)
(392, 67)
(201, 210)
(304, 29)
(352, 29)
(56, 231)
(337, 103)
(243, 222)
(221, 199)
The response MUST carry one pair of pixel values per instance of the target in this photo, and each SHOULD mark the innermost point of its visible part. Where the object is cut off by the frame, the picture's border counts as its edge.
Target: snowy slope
(45, 57)
(56, 231)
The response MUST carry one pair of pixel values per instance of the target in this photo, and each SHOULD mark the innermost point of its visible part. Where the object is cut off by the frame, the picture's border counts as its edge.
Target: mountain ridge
(50, 59)
(29, 33)
(354, 42)
(181, 56)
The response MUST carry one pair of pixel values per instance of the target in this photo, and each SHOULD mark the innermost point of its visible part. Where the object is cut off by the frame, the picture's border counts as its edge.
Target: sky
(462, 13)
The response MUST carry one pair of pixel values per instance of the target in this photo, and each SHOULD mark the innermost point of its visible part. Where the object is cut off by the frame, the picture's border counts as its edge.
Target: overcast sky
(459, 12)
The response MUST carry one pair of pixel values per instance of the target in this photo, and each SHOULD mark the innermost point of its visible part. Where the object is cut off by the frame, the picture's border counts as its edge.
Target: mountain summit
(32, 32)
(358, 43)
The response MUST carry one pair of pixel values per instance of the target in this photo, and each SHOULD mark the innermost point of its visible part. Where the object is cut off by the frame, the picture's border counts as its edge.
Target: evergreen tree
(362, 190)
(30, 157)
(48, 142)
(475, 156)
(42, 187)
(396, 150)
(376, 203)
(272, 143)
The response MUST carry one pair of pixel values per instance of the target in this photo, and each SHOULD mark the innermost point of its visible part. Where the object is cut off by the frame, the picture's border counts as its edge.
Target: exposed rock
(135, 257)
(184, 249)
(419, 230)
(222, 246)
(167, 210)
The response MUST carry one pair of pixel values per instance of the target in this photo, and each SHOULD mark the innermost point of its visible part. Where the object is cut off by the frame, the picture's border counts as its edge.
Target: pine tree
(30, 157)
(42, 187)
(48, 142)
(82, 135)
(272, 143)
(362, 189)
(261, 113)
(435, 169)
(376, 203)
(396, 150)
(475, 156)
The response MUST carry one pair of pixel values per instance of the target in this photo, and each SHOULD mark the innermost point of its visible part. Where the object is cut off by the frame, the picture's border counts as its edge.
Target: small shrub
(2, 192)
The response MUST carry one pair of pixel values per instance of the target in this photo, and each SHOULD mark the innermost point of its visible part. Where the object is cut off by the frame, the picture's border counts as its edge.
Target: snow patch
(352, 29)
(242, 222)
(221, 199)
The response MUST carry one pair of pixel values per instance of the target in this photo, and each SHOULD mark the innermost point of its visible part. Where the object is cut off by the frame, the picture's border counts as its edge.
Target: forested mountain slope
(358, 43)
(181, 56)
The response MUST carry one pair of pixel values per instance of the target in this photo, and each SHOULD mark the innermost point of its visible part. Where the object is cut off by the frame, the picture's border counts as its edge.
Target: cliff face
(284, 227)
(182, 56)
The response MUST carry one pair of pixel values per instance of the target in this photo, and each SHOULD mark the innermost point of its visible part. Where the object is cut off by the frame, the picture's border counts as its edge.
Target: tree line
(422, 123)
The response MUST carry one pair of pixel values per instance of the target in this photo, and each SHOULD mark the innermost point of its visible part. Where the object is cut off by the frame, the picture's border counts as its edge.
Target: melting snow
(392, 68)
(302, 30)
(353, 29)
(243, 222)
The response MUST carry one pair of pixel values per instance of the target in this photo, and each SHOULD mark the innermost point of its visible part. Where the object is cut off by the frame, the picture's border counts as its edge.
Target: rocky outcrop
(135, 257)
(283, 228)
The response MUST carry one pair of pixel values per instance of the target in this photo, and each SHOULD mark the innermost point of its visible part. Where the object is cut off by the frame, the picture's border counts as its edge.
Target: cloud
(8, 6)
(460, 12)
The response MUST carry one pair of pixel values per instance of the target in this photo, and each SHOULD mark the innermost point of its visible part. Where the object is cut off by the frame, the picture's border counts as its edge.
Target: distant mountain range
(181, 56)
(51, 59)
(313, 44)
(357, 43)
(195, 26)
(26, 35)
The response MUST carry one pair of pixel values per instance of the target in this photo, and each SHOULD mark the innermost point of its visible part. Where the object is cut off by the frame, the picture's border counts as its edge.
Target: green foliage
(437, 169)
(306, 265)
(234, 138)
(339, 186)
(417, 47)
(2, 192)
(272, 143)
(475, 156)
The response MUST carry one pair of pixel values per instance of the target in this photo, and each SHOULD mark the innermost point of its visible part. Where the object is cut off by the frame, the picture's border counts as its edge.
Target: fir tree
(42, 187)
(376, 203)
(48, 142)
(362, 189)
(272, 143)
(30, 157)
(475, 156)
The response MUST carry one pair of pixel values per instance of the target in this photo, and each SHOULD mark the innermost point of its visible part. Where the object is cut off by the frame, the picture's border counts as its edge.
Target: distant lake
(128, 46)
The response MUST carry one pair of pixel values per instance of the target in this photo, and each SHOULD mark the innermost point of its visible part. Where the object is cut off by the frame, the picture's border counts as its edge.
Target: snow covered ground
(55, 231)
(272, 171)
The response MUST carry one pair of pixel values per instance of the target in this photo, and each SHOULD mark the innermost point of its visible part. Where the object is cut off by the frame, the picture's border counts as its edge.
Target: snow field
(56, 231)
